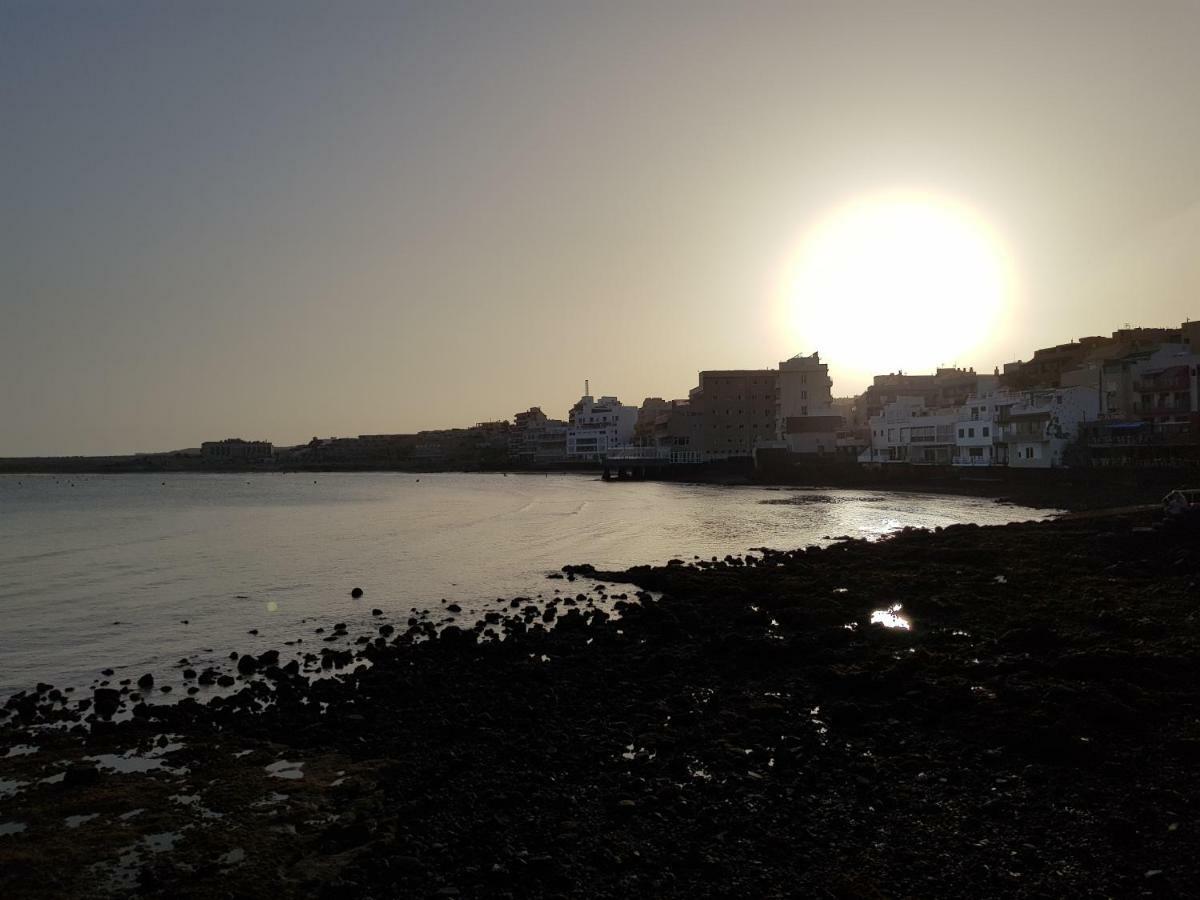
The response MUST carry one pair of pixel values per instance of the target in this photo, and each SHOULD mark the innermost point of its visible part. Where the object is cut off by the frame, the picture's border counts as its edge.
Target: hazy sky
(282, 219)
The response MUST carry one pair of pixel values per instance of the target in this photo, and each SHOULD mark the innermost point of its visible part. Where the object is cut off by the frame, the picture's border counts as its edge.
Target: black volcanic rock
(107, 701)
(80, 775)
(269, 658)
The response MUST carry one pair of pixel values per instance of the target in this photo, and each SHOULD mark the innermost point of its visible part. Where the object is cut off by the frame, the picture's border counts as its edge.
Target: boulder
(107, 701)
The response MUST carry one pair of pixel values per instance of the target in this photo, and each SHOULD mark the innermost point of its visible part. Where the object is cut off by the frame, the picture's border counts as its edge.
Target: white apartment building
(907, 432)
(1039, 425)
(596, 426)
(977, 431)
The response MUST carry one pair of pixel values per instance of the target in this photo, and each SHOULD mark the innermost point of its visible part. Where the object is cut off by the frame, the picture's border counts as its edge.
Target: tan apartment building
(739, 409)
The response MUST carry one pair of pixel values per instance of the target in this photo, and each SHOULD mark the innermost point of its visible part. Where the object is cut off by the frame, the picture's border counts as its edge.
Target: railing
(663, 455)
(639, 453)
(1162, 384)
(1143, 439)
(1162, 409)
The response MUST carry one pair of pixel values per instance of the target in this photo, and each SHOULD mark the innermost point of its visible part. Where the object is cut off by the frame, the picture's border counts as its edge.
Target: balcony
(1164, 383)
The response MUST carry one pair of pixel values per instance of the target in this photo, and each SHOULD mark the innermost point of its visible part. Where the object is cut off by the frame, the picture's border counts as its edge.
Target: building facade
(907, 431)
(739, 409)
(536, 439)
(596, 426)
(1038, 427)
(806, 421)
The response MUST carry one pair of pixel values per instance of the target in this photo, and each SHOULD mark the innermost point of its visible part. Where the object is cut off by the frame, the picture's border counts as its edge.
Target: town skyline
(397, 217)
(640, 401)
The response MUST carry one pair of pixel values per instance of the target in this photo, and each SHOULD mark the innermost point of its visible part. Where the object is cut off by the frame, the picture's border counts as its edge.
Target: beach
(1000, 711)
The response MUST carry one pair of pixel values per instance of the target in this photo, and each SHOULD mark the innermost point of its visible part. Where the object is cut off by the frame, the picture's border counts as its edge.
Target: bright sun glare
(902, 280)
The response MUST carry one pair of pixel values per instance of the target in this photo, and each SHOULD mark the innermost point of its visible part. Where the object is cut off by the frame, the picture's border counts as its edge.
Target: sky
(277, 220)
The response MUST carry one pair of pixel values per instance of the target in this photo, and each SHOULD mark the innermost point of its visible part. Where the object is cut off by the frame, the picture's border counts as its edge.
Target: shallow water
(135, 572)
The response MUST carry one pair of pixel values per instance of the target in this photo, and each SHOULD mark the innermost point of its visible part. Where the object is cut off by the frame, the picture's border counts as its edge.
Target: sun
(902, 280)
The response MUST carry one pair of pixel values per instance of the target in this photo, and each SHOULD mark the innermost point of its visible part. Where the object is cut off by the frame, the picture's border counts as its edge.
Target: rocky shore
(985, 712)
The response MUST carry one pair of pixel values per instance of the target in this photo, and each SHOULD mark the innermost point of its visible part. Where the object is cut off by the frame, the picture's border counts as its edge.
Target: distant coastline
(1073, 489)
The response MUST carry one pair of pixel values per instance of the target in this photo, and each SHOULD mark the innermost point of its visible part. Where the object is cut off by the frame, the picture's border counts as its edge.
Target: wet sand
(751, 732)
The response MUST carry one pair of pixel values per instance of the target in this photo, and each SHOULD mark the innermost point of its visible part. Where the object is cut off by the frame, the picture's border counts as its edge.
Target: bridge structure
(647, 462)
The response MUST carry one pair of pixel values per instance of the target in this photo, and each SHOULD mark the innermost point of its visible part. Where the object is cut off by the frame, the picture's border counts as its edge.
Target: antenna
(586, 390)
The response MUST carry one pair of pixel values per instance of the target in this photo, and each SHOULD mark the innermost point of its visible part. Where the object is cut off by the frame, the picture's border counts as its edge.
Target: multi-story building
(977, 431)
(536, 439)
(944, 388)
(1048, 364)
(1152, 384)
(679, 426)
(739, 409)
(910, 429)
(1029, 429)
(596, 426)
(1061, 365)
(648, 414)
(1038, 426)
(806, 421)
(907, 431)
(1149, 408)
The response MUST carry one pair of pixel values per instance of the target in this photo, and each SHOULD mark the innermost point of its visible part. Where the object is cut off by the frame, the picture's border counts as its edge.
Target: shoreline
(1034, 731)
(1073, 490)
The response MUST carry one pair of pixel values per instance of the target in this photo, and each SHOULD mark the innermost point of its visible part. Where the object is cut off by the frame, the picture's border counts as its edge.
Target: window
(804, 410)
(961, 433)
(985, 432)
(804, 395)
(975, 452)
(970, 432)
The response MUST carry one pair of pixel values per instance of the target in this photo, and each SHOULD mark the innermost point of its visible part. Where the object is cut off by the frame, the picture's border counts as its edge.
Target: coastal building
(236, 450)
(908, 431)
(739, 409)
(536, 439)
(977, 437)
(806, 421)
(1150, 384)
(912, 429)
(648, 414)
(1038, 427)
(946, 387)
(595, 426)
(1048, 364)
(1149, 409)
(680, 425)
(1060, 365)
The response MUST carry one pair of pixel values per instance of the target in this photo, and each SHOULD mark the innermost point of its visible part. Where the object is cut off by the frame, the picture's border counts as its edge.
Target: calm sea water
(101, 571)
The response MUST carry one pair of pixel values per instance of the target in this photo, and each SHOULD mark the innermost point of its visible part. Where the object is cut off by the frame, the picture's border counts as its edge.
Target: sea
(134, 572)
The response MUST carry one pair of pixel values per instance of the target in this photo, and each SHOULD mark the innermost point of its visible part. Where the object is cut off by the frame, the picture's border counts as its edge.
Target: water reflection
(170, 567)
(888, 618)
